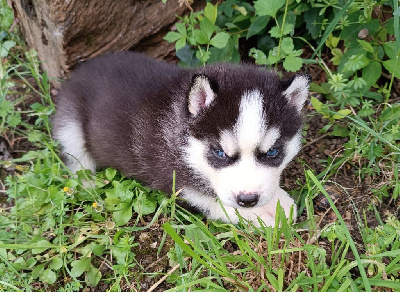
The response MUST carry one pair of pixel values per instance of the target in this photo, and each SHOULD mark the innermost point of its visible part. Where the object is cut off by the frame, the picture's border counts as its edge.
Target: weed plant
(66, 233)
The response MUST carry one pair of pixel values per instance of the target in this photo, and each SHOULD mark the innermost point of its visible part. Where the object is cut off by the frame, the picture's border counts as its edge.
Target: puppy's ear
(202, 92)
(296, 90)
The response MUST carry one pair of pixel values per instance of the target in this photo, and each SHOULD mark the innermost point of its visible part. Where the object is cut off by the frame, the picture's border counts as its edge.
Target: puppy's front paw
(267, 213)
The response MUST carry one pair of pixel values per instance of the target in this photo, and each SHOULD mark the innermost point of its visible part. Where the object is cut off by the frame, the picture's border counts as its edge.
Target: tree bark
(66, 32)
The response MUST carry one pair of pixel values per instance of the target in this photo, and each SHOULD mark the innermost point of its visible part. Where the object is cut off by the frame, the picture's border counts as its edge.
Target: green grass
(57, 235)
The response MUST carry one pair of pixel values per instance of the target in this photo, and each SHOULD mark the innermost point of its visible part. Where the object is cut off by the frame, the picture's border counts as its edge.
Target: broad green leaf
(111, 203)
(14, 119)
(356, 62)
(144, 206)
(287, 45)
(391, 50)
(275, 32)
(366, 46)
(56, 263)
(93, 276)
(80, 266)
(201, 37)
(207, 27)
(20, 264)
(36, 136)
(273, 57)
(268, 7)
(390, 113)
(180, 44)
(7, 16)
(220, 40)
(181, 28)
(31, 263)
(48, 276)
(257, 25)
(98, 249)
(393, 66)
(340, 131)
(259, 56)
(301, 8)
(5, 48)
(292, 63)
(313, 22)
(110, 173)
(37, 271)
(173, 36)
(5, 107)
(203, 56)
(266, 43)
(374, 95)
(240, 9)
(317, 104)
(332, 41)
(337, 56)
(371, 73)
(120, 254)
(341, 114)
(322, 88)
(187, 56)
(230, 53)
(365, 112)
(122, 216)
(211, 12)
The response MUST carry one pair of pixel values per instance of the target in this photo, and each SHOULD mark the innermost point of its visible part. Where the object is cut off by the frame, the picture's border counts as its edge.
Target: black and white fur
(227, 131)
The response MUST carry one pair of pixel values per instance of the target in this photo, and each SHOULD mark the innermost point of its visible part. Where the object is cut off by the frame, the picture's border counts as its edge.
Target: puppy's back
(96, 105)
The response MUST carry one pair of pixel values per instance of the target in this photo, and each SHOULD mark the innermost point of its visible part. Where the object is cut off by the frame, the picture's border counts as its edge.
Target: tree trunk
(65, 32)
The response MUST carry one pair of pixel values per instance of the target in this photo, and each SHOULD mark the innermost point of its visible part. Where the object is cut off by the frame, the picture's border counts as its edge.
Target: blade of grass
(332, 277)
(385, 283)
(344, 286)
(207, 281)
(215, 243)
(365, 127)
(347, 233)
(9, 286)
(396, 23)
(171, 232)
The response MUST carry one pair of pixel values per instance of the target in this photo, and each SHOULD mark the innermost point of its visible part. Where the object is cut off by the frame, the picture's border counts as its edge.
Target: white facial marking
(250, 124)
(229, 143)
(269, 139)
(195, 154)
(292, 148)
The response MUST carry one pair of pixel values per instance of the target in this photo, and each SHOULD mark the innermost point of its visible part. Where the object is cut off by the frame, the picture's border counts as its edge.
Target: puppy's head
(245, 127)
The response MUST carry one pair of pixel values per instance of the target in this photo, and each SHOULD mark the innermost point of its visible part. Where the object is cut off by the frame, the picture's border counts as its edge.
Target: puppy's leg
(269, 210)
(70, 135)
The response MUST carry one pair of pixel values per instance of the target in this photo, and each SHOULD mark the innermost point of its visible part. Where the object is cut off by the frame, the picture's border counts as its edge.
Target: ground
(350, 193)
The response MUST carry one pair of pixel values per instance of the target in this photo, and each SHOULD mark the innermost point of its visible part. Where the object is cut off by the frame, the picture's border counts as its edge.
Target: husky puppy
(227, 131)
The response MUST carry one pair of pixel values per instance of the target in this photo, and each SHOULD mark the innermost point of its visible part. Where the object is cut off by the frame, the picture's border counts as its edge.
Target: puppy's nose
(247, 200)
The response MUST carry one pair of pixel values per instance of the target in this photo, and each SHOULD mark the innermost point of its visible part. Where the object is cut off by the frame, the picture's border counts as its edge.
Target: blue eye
(220, 153)
(272, 152)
